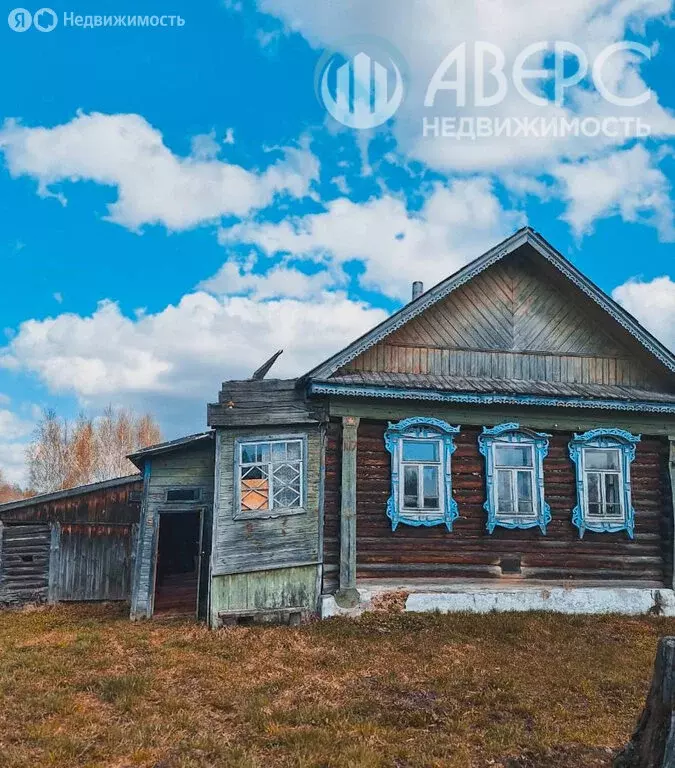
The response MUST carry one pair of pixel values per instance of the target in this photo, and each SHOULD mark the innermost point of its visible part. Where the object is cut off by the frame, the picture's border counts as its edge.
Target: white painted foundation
(630, 601)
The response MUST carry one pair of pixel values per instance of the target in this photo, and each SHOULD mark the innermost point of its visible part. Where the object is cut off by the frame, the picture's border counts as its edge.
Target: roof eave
(487, 398)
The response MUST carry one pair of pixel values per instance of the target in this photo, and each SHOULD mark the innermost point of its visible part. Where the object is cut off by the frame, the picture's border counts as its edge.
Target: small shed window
(421, 488)
(514, 460)
(271, 475)
(602, 459)
(183, 494)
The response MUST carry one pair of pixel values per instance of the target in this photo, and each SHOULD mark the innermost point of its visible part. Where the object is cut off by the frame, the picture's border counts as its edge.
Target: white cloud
(426, 32)
(279, 282)
(456, 224)
(653, 304)
(15, 432)
(154, 185)
(625, 183)
(173, 362)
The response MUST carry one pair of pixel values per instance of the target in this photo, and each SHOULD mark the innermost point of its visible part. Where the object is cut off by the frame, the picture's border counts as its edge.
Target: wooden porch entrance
(178, 563)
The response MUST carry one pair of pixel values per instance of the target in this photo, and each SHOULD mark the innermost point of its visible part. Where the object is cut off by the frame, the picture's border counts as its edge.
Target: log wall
(469, 551)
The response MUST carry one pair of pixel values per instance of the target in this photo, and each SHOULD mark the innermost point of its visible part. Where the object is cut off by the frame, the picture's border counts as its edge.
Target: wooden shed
(75, 544)
(171, 574)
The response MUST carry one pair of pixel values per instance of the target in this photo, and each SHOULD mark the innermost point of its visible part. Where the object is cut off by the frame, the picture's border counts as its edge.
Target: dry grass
(81, 686)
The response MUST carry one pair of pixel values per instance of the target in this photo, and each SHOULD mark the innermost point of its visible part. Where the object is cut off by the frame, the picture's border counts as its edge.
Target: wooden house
(505, 440)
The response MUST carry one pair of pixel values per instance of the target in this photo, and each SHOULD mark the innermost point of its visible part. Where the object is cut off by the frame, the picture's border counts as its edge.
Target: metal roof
(171, 445)
(68, 492)
(474, 268)
(471, 384)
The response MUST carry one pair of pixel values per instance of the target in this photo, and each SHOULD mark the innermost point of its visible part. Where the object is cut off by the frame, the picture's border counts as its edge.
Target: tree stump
(653, 742)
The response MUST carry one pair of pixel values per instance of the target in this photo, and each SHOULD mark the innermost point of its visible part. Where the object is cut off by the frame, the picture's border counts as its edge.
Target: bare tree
(47, 455)
(62, 455)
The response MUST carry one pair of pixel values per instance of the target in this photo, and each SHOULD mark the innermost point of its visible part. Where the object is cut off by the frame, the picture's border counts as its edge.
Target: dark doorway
(177, 579)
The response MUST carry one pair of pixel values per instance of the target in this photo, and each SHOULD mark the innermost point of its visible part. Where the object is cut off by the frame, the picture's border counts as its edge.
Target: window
(421, 487)
(271, 475)
(183, 494)
(602, 458)
(514, 460)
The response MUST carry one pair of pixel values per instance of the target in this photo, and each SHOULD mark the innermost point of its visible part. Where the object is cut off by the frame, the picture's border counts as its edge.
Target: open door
(178, 563)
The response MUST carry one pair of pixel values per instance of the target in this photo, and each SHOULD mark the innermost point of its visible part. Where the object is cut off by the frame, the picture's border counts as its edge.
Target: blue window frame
(421, 484)
(514, 477)
(602, 458)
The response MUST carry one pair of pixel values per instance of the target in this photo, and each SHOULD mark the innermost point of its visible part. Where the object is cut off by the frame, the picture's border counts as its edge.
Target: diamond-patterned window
(270, 475)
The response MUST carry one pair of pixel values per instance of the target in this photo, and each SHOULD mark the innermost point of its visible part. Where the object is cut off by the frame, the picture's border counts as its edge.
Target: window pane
(410, 487)
(430, 487)
(248, 453)
(263, 452)
(593, 485)
(513, 455)
(524, 482)
(254, 494)
(420, 450)
(294, 449)
(254, 472)
(278, 451)
(601, 458)
(612, 489)
(504, 492)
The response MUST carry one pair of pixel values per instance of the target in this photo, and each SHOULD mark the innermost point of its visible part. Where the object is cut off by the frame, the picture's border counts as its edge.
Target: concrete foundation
(630, 601)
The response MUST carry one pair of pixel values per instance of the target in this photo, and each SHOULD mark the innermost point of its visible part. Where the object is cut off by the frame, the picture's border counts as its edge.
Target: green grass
(82, 686)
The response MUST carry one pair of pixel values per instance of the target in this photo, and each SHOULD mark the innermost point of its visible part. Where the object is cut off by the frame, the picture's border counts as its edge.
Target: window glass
(524, 486)
(513, 455)
(271, 475)
(420, 450)
(601, 458)
(504, 491)
(410, 483)
(430, 488)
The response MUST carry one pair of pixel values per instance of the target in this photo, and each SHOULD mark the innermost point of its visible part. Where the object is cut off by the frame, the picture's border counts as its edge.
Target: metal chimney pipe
(417, 289)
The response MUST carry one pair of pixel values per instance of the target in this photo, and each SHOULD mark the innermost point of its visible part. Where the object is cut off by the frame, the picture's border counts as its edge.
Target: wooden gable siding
(469, 551)
(517, 320)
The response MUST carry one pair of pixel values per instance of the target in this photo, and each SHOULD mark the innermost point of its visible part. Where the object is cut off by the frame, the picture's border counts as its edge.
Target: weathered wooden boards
(653, 742)
(516, 320)
(24, 562)
(469, 551)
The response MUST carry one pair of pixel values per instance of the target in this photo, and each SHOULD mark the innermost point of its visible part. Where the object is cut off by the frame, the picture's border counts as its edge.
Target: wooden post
(653, 742)
(671, 465)
(53, 591)
(348, 596)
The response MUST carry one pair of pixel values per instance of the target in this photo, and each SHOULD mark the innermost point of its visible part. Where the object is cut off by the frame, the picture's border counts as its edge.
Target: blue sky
(175, 203)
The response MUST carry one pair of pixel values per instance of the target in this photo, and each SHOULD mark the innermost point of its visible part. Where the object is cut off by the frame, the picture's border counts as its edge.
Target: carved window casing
(602, 458)
(421, 484)
(514, 477)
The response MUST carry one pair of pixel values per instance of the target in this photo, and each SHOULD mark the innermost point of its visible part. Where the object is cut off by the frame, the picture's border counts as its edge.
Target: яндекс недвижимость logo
(362, 85)
(21, 19)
